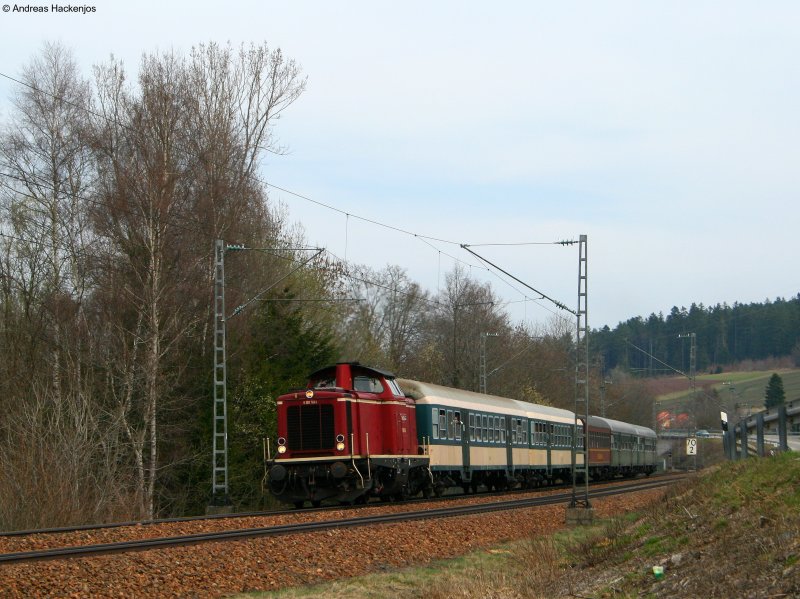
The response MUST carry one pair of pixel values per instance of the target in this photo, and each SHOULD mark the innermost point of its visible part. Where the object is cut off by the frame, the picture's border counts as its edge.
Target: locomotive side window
(367, 384)
(435, 423)
(457, 425)
(502, 430)
(451, 428)
(497, 429)
(442, 424)
(472, 427)
(484, 432)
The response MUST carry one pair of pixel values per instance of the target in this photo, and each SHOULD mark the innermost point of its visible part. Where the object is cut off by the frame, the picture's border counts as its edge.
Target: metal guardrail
(738, 441)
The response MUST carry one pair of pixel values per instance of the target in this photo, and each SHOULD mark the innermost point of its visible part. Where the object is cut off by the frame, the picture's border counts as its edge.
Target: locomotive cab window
(435, 423)
(367, 384)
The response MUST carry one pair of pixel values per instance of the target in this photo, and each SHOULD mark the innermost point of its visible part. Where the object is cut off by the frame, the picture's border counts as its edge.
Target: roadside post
(691, 449)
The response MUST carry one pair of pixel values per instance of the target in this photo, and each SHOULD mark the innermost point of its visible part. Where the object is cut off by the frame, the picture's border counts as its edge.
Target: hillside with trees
(725, 335)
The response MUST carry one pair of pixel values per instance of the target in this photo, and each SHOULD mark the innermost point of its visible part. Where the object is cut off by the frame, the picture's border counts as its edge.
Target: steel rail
(258, 514)
(304, 527)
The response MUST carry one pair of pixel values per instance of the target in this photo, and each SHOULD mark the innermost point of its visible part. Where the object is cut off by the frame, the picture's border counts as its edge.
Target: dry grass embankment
(734, 531)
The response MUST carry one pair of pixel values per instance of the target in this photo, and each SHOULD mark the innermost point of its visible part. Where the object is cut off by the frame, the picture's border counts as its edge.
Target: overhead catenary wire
(556, 302)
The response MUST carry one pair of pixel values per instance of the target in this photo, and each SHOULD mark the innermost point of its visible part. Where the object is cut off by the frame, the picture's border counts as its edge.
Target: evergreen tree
(775, 395)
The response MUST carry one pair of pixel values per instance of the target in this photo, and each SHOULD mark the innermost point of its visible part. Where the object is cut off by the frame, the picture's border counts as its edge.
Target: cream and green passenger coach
(474, 439)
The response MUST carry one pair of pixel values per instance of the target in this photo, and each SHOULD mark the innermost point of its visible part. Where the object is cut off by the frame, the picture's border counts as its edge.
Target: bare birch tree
(177, 160)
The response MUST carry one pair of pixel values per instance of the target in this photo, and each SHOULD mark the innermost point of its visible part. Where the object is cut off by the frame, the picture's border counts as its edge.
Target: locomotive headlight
(281, 448)
(340, 446)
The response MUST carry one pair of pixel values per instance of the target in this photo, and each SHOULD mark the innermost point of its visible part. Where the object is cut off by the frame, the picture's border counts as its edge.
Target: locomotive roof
(625, 428)
(479, 401)
(322, 371)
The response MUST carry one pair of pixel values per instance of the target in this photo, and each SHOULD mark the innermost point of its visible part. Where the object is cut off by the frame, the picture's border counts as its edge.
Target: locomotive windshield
(396, 390)
(324, 383)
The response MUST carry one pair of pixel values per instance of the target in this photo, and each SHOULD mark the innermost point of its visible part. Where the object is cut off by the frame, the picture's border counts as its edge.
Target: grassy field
(744, 388)
(734, 531)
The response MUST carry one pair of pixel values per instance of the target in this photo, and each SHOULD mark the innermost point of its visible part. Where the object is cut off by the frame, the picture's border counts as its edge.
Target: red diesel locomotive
(349, 435)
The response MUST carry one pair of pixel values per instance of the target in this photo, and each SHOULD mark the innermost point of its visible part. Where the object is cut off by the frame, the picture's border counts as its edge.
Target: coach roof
(479, 401)
(624, 428)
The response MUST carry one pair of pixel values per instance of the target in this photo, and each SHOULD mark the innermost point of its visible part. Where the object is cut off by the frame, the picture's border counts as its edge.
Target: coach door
(509, 444)
(463, 417)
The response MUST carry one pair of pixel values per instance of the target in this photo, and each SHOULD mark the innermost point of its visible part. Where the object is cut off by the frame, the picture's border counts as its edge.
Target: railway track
(315, 526)
(257, 514)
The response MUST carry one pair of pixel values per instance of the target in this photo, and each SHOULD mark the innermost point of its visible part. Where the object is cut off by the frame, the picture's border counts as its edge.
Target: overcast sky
(667, 132)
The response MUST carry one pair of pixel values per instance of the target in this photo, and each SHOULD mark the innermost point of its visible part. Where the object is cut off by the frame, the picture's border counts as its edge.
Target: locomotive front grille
(309, 427)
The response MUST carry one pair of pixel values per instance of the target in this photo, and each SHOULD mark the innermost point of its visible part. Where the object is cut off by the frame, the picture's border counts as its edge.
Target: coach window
(485, 430)
(435, 423)
(442, 424)
(472, 427)
(524, 426)
(457, 425)
(541, 431)
(497, 429)
(503, 430)
(450, 425)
